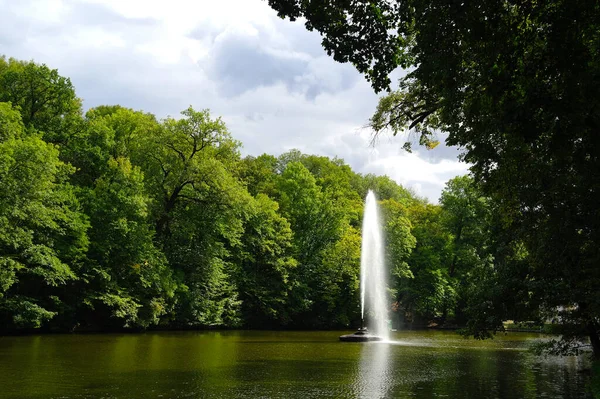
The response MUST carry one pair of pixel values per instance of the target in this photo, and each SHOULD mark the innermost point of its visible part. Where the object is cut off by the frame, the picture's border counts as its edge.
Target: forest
(117, 219)
(114, 218)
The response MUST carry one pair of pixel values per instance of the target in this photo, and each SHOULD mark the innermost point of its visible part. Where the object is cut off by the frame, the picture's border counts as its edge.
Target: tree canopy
(114, 218)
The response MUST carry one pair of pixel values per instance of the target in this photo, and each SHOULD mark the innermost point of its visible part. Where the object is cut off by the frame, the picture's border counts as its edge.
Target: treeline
(115, 219)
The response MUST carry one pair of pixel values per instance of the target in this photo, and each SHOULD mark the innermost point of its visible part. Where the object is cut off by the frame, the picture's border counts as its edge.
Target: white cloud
(269, 79)
(426, 178)
(42, 12)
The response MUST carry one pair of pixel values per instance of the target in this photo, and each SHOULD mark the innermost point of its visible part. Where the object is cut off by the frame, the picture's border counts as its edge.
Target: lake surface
(260, 364)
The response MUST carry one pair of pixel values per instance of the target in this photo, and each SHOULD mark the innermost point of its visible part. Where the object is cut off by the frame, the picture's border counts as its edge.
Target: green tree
(108, 132)
(183, 158)
(335, 180)
(399, 240)
(42, 230)
(129, 277)
(399, 245)
(260, 174)
(424, 297)
(338, 296)
(199, 208)
(264, 265)
(466, 216)
(46, 100)
(316, 224)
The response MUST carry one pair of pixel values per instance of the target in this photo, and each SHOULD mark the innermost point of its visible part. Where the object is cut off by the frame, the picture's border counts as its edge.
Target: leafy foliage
(265, 264)
(46, 100)
(42, 230)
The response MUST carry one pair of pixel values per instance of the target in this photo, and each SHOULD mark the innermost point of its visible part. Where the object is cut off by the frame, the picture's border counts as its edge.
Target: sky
(268, 78)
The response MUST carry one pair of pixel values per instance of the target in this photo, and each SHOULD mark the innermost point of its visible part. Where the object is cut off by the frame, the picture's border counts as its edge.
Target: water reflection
(418, 365)
(373, 377)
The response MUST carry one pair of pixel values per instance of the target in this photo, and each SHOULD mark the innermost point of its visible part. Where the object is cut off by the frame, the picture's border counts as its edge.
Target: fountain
(372, 278)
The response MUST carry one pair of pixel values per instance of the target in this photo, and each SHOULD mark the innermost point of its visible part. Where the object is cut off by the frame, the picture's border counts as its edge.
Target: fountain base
(362, 335)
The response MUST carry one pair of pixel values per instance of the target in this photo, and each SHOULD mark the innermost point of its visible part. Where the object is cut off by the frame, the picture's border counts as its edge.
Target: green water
(236, 364)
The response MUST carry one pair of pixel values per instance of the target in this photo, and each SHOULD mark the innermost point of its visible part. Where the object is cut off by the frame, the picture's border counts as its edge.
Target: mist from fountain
(373, 282)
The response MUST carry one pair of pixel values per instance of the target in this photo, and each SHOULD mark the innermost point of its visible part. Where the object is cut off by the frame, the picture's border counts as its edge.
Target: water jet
(372, 278)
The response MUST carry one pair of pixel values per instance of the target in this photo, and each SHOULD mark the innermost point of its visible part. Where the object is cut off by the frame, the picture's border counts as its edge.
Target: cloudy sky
(268, 78)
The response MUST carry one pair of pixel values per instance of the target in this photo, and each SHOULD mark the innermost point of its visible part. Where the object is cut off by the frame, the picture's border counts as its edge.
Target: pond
(266, 364)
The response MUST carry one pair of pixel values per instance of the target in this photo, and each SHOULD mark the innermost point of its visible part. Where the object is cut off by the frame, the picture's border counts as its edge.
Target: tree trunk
(455, 257)
(594, 339)
(162, 224)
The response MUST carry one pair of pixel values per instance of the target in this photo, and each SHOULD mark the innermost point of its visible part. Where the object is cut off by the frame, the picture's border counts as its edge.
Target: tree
(399, 244)
(338, 299)
(264, 265)
(129, 276)
(466, 217)
(108, 132)
(316, 224)
(335, 180)
(313, 218)
(46, 100)
(373, 35)
(166, 214)
(260, 174)
(515, 84)
(183, 158)
(399, 240)
(42, 230)
(426, 295)
(198, 211)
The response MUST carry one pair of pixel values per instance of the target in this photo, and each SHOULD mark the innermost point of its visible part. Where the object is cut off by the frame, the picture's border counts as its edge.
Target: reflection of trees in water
(493, 374)
(389, 370)
(373, 379)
